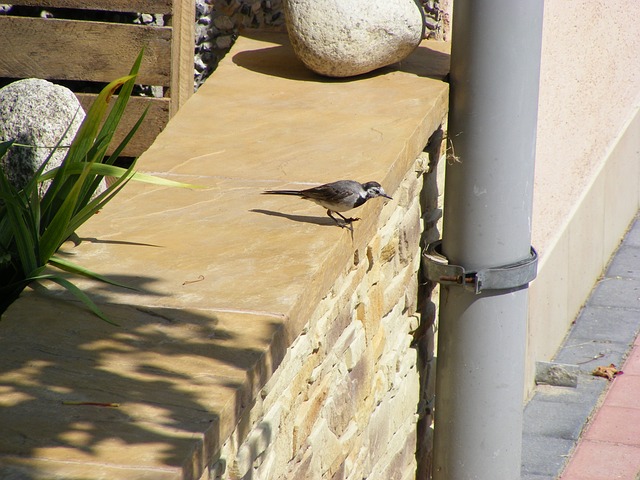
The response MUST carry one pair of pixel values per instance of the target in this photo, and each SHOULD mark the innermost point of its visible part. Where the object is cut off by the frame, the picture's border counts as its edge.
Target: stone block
(356, 347)
(351, 398)
(332, 327)
(616, 292)
(380, 386)
(373, 300)
(396, 328)
(407, 367)
(378, 433)
(389, 250)
(251, 451)
(409, 242)
(326, 448)
(378, 345)
(625, 263)
(398, 287)
(268, 467)
(556, 419)
(594, 323)
(339, 414)
(411, 293)
(556, 374)
(399, 458)
(350, 344)
(544, 455)
(302, 468)
(308, 412)
(296, 356)
(373, 256)
(412, 184)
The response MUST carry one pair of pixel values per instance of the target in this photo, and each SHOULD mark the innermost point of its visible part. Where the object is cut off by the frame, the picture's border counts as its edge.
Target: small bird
(338, 196)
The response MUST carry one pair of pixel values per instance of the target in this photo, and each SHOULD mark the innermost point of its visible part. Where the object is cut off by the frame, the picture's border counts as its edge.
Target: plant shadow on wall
(33, 226)
(150, 394)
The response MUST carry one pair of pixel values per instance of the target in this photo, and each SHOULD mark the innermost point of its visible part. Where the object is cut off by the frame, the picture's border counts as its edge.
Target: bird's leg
(348, 220)
(335, 219)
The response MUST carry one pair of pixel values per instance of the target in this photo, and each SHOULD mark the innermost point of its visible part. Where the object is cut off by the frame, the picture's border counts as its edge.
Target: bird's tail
(282, 192)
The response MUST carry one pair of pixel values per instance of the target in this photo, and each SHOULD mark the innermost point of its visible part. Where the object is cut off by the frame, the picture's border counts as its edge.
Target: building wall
(588, 157)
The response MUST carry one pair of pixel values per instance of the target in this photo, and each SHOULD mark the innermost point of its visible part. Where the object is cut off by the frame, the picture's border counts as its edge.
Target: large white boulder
(36, 113)
(341, 38)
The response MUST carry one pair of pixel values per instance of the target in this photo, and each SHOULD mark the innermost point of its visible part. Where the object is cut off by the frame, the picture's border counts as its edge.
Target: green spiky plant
(32, 229)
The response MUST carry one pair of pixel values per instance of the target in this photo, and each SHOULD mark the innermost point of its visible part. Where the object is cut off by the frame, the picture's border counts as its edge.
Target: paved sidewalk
(592, 432)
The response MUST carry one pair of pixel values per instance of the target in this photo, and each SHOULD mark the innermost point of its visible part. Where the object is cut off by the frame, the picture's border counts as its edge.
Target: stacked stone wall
(346, 400)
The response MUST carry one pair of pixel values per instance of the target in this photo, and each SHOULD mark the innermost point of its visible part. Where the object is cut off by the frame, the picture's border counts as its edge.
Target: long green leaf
(96, 204)
(56, 232)
(114, 171)
(31, 231)
(120, 148)
(75, 291)
(110, 126)
(5, 146)
(16, 209)
(71, 267)
(82, 143)
(112, 159)
(113, 119)
(43, 166)
(91, 125)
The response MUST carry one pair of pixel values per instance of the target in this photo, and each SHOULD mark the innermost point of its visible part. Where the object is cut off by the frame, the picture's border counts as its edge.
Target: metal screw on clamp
(514, 275)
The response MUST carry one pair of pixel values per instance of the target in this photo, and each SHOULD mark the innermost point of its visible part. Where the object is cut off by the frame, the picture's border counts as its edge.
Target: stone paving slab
(544, 456)
(610, 446)
(16, 468)
(626, 263)
(178, 377)
(603, 333)
(304, 128)
(557, 419)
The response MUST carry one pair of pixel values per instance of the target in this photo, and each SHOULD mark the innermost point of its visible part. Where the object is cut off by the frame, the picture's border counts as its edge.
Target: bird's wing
(331, 191)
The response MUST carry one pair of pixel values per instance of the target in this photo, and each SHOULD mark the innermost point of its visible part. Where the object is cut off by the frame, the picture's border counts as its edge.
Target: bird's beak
(386, 196)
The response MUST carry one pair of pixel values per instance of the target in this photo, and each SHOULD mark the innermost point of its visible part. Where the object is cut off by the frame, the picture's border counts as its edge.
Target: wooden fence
(58, 49)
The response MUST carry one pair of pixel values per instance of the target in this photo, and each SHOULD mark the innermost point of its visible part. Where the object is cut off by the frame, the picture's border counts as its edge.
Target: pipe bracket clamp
(438, 269)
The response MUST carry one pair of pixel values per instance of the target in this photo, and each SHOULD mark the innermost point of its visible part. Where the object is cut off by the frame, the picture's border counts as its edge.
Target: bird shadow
(322, 221)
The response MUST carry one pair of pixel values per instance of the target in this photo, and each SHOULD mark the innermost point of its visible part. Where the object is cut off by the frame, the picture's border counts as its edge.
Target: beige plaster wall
(587, 176)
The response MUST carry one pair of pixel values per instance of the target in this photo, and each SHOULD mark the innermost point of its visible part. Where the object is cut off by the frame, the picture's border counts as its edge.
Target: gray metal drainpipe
(495, 67)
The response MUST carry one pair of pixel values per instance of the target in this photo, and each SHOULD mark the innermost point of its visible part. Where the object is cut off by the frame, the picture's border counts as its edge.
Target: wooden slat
(76, 50)
(182, 53)
(144, 6)
(154, 122)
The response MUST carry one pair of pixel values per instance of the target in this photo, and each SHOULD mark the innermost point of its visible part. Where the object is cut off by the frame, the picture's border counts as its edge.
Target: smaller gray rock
(36, 113)
(557, 374)
(342, 38)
